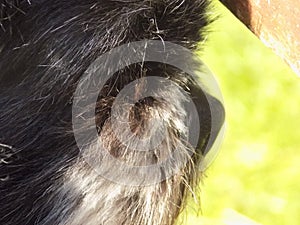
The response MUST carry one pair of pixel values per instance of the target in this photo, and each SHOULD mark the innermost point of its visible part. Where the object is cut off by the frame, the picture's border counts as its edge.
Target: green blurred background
(255, 179)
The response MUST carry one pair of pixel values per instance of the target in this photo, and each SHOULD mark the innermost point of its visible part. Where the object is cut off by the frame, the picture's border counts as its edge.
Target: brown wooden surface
(275, 22)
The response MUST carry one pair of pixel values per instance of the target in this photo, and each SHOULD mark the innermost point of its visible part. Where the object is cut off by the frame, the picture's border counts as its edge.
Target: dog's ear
(211, 114)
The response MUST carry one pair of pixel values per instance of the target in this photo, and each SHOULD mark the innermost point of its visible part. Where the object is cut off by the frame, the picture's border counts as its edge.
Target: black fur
(45, 47)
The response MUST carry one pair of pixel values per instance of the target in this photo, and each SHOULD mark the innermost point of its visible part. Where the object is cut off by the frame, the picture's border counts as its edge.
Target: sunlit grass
(256, 177)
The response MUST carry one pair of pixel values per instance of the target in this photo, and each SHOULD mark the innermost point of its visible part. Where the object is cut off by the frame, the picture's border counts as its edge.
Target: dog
(51, 171)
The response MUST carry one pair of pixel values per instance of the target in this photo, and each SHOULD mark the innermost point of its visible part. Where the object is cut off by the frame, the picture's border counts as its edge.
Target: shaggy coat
(45, 48)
